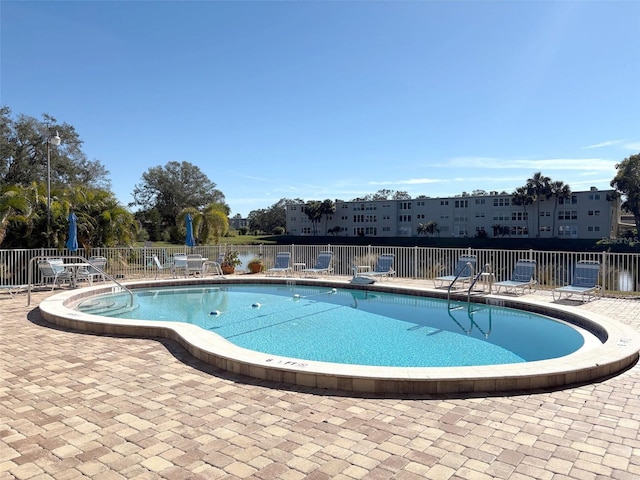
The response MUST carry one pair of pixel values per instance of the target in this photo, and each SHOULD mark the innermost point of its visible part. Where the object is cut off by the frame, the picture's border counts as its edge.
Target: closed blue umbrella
(72, 241)
(189, 241)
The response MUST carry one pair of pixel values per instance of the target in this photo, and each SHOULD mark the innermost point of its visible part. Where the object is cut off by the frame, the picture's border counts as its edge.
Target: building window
(568, 201)
(444, 203)
(500, 202)
(567, 215)
(461, 204)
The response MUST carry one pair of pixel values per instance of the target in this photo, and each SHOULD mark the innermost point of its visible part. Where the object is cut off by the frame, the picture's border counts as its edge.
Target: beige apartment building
(591, 214)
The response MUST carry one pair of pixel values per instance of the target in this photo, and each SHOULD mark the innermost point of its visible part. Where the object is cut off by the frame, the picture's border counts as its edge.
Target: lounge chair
(282, 265)
(463, 272)
(322, 265)
(383, 268)
(54, 271)
(523, 276)
(584, 282)
(13, 289)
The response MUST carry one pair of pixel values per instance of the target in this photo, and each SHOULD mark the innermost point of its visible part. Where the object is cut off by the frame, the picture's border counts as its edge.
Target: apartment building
(591, 214)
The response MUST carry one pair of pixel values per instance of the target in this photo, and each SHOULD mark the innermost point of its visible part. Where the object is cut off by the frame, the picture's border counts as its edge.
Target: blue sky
(334, 99)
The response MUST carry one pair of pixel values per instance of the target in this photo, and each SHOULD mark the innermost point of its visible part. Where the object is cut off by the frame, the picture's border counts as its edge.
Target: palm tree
(313, 210)
(14, 206)
(559, 190)
(216, 222)
(102, 220)
(521, 196)
(212, 222)
(430, 228)
(327, 207)
(538, 187)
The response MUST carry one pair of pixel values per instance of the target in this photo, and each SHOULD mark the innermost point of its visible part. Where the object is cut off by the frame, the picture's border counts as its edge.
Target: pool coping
(619, 350)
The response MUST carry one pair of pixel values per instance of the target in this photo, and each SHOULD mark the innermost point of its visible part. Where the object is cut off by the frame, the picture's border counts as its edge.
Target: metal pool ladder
(82, 259)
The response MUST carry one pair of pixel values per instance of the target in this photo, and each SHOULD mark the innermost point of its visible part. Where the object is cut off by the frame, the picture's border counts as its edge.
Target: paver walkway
(81, 406)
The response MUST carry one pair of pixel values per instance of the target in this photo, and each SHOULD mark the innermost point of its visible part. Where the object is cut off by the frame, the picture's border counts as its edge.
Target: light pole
(50, 141)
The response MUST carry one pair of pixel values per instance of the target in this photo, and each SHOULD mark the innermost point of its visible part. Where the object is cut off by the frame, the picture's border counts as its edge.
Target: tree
(313, 210)
(430, 228)
(211, 223)
(327, 207)
(521, 196)
(627, 182)
(102, 220)
(384, 194)
(15, 206)
(174, 187)
(23, 154)
(559, 190)
(538, 187)
(275, 217)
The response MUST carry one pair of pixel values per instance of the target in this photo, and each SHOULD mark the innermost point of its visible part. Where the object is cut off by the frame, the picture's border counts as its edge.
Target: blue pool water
(357, 327)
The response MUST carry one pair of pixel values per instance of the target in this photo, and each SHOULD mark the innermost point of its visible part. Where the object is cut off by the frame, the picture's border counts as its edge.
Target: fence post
(604, 273)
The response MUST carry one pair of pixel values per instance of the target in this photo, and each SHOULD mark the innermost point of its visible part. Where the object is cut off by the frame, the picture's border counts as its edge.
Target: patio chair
(179, 264)
(523, 276)
(195, 264)
(214, 266)
(322, 265)
(93, 271)
(584, 282)
(158, 264)
(463, 272)
(383, 268)
(53, 271)
(282, 265)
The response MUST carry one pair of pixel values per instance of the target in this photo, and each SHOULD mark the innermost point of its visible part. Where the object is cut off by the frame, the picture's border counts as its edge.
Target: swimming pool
(354, 326)
(615, 351)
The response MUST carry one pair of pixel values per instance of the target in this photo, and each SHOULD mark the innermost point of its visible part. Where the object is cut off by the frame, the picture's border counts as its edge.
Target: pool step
(104, 307)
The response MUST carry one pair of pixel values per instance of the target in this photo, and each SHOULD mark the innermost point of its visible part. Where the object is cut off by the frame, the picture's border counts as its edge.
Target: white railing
(620, 273)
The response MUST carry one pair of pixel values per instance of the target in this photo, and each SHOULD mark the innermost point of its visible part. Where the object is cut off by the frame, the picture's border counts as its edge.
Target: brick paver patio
(78, 406)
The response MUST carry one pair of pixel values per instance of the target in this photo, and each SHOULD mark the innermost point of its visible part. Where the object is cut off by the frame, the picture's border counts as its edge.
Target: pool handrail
(83, 260)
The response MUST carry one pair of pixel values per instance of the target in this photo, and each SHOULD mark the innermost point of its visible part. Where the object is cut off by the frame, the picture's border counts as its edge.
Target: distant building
(238, 222)
(591, 214)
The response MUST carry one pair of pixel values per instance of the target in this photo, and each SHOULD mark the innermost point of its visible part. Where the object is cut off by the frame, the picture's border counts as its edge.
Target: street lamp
(50, 141)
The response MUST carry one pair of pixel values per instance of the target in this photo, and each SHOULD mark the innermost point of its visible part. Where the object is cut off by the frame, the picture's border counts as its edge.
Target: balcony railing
(619, 275)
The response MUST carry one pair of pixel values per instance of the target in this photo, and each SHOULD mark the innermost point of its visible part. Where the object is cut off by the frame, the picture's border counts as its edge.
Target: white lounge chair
(322, 265)
(583, 283)
(523, 276)
(383, 268)
(463, 272)
(13, 289)
(282, 265)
